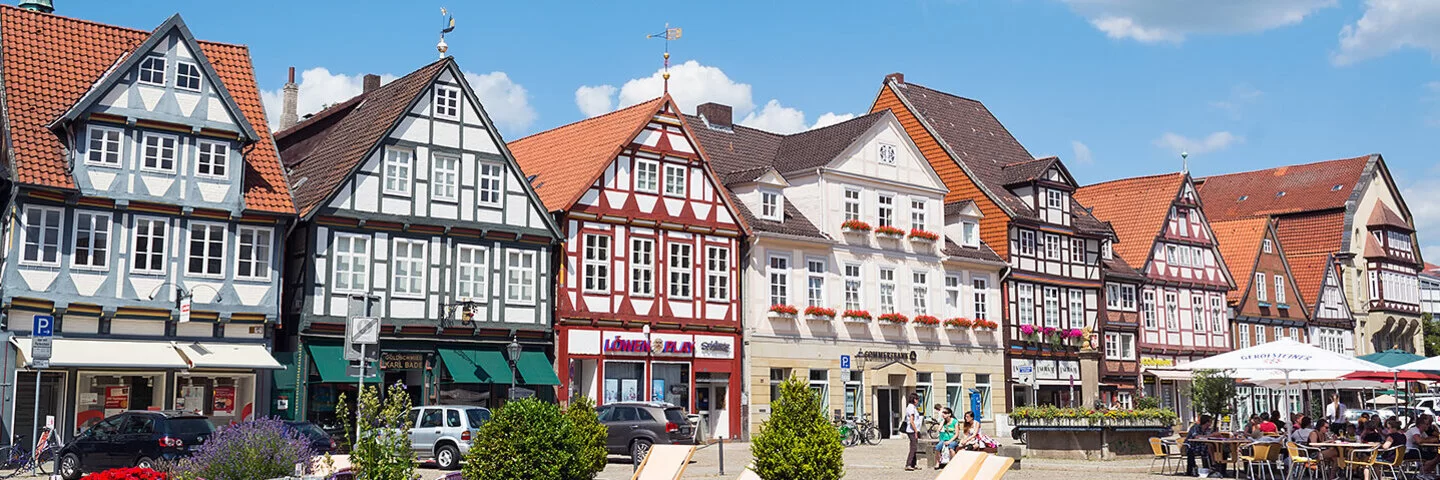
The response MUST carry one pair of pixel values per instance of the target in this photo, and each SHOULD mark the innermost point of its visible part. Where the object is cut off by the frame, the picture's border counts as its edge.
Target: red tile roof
(1308, 241)
(566, 160)
(1383, 216)
(1239, 242)
(50, 61)
(1136, 209)
(1282, 190)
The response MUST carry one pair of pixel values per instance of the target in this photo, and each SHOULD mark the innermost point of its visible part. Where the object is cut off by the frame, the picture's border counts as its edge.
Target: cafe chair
(1162, 455)
(1302, 462)
(1262, 455)
(1364, 459)
(1394, 464)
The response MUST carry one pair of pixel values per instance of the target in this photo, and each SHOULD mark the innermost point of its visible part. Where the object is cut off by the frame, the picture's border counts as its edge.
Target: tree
(383, 450)
(1432, 335)
(1211, 392)
(797, 441)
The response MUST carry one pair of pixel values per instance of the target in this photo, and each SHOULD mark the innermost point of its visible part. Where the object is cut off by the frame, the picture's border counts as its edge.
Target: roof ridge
(15, 9)
(1294, 165)
(336, 107)
(1127, 179)
(588, 119)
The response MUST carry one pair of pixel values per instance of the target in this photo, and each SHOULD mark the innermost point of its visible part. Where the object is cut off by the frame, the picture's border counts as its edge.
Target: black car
(635, 426)
(135, 438)
(320, 442)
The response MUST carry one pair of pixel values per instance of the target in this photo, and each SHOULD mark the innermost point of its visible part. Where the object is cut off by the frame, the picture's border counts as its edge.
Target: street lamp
(514, 350)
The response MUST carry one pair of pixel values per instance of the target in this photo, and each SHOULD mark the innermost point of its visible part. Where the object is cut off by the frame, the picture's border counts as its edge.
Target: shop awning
(1166, 374)
(535, 369)
(330, 362)
(476, 366)
(285, 379)
(222, 355)
(66, 352)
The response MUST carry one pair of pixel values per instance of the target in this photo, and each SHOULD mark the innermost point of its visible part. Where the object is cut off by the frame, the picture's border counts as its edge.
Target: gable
(885, 151)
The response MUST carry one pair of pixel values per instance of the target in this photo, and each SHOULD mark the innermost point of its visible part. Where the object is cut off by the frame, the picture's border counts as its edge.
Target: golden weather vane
(447, 26)
(669, 34)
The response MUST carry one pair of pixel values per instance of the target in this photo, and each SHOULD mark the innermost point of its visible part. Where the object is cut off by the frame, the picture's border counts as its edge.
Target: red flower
(820, 311)
(894, 318)
(926, 320)
(130, 473)
(916, 233)
(855, 224)
(857, 314)
(959, 322)
(783, 309)
(889, 230)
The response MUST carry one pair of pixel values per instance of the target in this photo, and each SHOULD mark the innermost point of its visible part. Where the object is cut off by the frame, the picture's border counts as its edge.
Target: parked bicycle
(866, 431)
(19, 461)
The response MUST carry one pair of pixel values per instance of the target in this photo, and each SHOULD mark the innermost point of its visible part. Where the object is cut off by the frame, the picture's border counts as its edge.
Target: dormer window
(887, 154)
(213, 159)
(152, 71)
(187, 76)
(771, 206)
(103, 147)
(970, 234)
(1268, 246)
(1106, 250)
(1054, 198)
(158, 152)
(447, 102)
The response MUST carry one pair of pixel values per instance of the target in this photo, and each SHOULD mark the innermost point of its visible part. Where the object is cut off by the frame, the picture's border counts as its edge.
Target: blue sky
(1115, 87)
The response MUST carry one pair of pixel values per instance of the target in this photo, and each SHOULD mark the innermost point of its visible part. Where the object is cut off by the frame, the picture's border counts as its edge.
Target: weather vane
(669, 34)
(447, 26)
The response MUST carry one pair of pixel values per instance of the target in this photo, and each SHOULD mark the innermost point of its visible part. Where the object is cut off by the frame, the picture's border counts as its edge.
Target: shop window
(777, 377)
(221, 397)
(853, 399)
(955, 392)
(982, 385)
(623, 381)
(100, 395)
(820, 385)
(670, 383)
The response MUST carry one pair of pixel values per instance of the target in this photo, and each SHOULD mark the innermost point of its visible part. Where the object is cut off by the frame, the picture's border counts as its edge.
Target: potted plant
(854, 226)
(926, 320)
(982, 323)
(922, 236)
(894, 318)
(890, 231)
(958, 323)
(1075, 336)
(783, 312)
(819, 313)
(856, 316)
(1029, 332)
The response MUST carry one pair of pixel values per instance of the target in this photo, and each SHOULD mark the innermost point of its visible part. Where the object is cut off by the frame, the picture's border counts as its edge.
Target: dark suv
(135, 438)
(635, 426)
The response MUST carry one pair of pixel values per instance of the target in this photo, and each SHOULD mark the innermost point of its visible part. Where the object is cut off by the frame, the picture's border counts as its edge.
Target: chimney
(288, 116)
(897, 77)
(371, 82)
(715, 114)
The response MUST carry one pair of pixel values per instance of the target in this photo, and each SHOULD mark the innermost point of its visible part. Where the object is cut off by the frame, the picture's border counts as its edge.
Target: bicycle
(932, 427)
(849, 435)
(866, 430)
(18, 457)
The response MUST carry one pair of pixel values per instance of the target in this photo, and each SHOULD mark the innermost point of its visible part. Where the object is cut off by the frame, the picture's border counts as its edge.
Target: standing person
(1335, 413)
(910, 426)
(948, 426)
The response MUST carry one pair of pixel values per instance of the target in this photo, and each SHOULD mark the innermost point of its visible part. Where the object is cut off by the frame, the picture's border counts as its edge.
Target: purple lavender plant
(263, 448)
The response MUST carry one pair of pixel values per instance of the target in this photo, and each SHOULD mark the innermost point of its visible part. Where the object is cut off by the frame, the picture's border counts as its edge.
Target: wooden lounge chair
(664, 462)
(994, 467)
(964, 465)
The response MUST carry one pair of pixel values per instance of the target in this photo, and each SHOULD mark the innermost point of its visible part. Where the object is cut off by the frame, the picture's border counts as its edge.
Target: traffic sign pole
(358, 392)
(41, 333)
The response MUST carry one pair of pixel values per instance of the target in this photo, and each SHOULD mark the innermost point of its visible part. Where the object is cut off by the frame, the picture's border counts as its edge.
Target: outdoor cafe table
(1344, 448)
(1229, 449)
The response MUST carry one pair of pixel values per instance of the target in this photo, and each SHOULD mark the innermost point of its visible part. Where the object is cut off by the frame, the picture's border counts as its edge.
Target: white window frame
(445, 177)
(212, 159)
(147, 71)
(1172, 312)
(1077, 251)
(181, 76)
(160, 149)
(676, 177)
(411, 276)
(596, 263)
(981, 288)
(1244, 335)
(771, 205)
(490, 191)
(398, 171)
(682, 270)
(885, 154)
(952, 295)
(1025, 303)
(358, 263)
(475, 288)
(777, 272)
(969, 233)
(1077, 308)
(1279, 289)
(1054, 198)
(1197, 313)
(259, 257)
(815, 281)
(519, 279)
(1127, 297)
(885, 210)
(920, 289)
(853, 205)
(1027, 243)
(717, 273)
(854, 278)
(49, 236)
(1267, 246)
(1052, 246)
(92, 224)
(109, 148)
(1147, 307)
(647, 176)
(642, 266)
(1112, 295)
(1197, 256)
(917, 214)
(447, 102)
(887, 290)
(1261, 291)
(1051, 306)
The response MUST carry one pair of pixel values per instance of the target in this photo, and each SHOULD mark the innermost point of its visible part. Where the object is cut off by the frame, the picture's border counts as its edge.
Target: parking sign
(41, 334)
(845, 362)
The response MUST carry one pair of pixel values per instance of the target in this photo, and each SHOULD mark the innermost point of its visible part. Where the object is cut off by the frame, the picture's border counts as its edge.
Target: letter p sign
(44, 326)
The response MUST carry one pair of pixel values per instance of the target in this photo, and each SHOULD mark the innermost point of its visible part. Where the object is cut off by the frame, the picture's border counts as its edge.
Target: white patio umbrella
(1427, 365)
(1288, 357)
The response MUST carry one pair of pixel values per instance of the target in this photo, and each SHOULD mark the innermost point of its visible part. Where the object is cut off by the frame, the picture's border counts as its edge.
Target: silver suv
(445, 432)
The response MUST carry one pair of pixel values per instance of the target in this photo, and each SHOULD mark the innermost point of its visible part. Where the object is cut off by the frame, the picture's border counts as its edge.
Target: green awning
(535, 369)
(330, 362)
(476, 366)
(284, 379)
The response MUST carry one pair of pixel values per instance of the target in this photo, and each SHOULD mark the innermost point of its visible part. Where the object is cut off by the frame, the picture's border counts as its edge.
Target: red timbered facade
(648, 301)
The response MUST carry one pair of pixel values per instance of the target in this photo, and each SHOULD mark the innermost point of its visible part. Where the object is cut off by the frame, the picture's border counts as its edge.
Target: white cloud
(1153, 21)
(1211, 143)
(1389, 25)
(691, 84)
(1241, 96)
(1082, 153)
(506, 101)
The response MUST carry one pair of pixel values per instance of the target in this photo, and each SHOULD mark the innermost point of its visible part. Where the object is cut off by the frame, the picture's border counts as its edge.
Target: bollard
(722, 455)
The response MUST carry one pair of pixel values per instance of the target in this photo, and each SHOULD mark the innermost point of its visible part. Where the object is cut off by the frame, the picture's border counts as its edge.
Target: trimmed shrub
(533, 440)
(585, 438)
(258, 449)
(797, 441)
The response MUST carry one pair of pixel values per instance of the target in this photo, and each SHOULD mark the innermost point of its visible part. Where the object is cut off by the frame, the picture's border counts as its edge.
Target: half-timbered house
(413, 211)
(648, 298)
(1160, 227)
(144, 206)
(1120, 332)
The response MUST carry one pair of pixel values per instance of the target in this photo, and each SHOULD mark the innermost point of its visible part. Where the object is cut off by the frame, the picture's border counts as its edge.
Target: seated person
(1302, 435)
(1266, 426)
(1422, 432)
(948, 425)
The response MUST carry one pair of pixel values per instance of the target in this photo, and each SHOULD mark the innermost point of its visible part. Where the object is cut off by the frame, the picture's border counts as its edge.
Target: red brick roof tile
(1136, 209)
(566, 160)
(1239, 242)
(49, 62)
(1383, 216)
(1308, 241)
(1282, 190)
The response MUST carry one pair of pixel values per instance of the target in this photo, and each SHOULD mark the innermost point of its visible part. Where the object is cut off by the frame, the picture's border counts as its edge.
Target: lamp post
(514, 350)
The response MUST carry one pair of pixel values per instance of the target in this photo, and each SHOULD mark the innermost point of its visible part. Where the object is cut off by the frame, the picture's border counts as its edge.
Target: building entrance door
(712, 401)
(888, 409)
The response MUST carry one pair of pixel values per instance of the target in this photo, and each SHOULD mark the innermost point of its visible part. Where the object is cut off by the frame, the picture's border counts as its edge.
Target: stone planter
(780, 316)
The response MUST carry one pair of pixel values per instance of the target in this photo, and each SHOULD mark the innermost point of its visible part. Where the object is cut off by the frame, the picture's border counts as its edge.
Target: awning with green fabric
(330, 362)
(535, 369)
(1392, 357)
(476, 366)
(284, 379)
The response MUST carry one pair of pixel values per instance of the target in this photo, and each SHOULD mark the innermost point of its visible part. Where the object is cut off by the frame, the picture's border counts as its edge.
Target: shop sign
(1069, 369)
(117, 399)
(1045, 369)
(882, 357)
(1157, 362)
(583, 342)
(402, 361)
(1023, 370)
(625, 343)
(715, 347)
(672, 345)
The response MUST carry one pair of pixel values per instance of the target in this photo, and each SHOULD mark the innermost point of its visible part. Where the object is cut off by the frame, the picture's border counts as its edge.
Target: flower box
(819, 313)
(925, 321)
(888, 231)
(958, 323)
(894, 318)
(922, 236)
(784, 312)
(856, 316)
(983, 324)
(854, 226)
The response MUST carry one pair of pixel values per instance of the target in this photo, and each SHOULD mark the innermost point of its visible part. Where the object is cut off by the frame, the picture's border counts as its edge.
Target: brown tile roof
(955, 207)
(323, 151)
(816, 148)
(49, 62)
(795, 223)
(1306, 187)
(1383, 216)
(1026, 172)
(982, 252)
(1135, 208)
(744, 149)
(566, 160)
(1239, 241)
(1308, 241)
(1116, 267)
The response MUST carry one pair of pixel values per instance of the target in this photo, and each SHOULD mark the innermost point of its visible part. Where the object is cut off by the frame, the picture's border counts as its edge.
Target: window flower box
(891, 232)
(782, 312)
(1030, 333)
(821, 314)
(925, 321)
(856, 316)
(958, 323)
(922, 236)
(983, 324)
(855, 226)
(894, 318)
